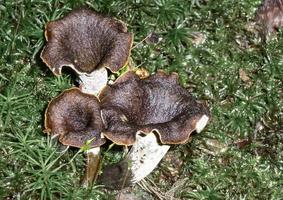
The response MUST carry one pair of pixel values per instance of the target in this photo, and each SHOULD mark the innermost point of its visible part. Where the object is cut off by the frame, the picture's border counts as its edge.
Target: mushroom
(75, 118)
(269, 16)
(88, 43)
(150, 114)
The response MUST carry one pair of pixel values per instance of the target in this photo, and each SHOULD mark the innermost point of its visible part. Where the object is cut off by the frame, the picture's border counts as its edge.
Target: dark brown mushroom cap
(269, 16)
(85, 40)
(76, 118)
(156, 103)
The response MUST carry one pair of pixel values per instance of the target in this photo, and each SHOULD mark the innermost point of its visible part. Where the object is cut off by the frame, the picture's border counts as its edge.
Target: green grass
(32, 166)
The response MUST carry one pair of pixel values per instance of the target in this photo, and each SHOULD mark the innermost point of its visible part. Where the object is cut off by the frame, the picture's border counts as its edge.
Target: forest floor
(239, 155)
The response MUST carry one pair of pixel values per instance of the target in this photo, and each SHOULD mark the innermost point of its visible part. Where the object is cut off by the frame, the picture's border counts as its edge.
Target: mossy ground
(238, 156)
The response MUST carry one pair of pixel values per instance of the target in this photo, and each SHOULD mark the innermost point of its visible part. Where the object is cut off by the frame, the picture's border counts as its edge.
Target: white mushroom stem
(92, 166)
(92, 84)
(201, 123)
(141, 160)
(144, 156)
(147, 152)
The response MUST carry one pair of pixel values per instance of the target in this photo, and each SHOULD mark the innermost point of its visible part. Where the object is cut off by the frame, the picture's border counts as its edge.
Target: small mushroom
(75, 118)
(150, 114)
(87, 42)
(269, 16)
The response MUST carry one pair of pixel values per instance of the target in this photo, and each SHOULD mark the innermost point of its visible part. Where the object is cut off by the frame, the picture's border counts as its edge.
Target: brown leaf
(142, 73)
(244, 77)
(198, 38)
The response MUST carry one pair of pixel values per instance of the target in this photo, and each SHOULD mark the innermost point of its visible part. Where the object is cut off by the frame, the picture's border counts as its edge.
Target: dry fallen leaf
(244, 77)
(142, 73)
(198, 38)
(214, 146)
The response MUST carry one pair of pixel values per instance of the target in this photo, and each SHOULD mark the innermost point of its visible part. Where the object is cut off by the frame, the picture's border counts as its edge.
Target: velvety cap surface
(76, 118)
(85, 40)
(269, 16)
(156, 103)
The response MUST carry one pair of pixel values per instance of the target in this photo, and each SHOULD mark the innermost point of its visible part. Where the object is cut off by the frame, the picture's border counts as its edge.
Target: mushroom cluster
(149, 113)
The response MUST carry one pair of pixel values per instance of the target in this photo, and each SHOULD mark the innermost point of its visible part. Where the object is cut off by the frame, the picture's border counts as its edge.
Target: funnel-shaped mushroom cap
(85, 40)
(269, 15)
(75, 117)
(156, 103)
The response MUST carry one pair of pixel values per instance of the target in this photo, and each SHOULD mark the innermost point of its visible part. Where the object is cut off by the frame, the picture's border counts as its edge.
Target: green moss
(32, 166)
